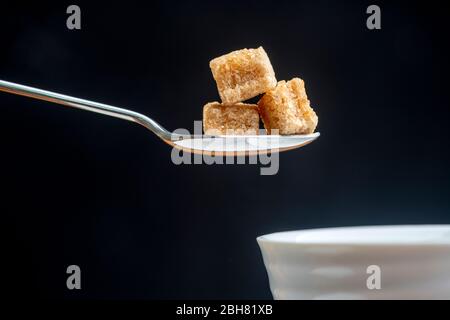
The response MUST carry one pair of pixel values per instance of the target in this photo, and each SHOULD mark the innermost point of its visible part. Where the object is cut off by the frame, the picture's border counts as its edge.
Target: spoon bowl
(240, 145)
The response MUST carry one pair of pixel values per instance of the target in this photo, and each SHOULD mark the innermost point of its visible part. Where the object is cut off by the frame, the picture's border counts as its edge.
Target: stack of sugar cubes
(243, 74)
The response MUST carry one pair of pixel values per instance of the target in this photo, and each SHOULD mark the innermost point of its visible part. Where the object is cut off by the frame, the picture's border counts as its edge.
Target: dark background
(102, 193)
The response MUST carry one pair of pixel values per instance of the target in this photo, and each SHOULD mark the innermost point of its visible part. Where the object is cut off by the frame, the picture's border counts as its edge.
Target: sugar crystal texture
(237, 119)
(286, 108)
(242, 74)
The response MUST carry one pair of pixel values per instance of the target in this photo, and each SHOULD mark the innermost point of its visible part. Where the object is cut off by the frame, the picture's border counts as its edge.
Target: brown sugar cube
(237, 119)
(242, 74)
(287, 108)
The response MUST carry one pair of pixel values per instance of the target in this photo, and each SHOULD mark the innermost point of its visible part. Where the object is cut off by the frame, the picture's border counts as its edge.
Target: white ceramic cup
(380, 262)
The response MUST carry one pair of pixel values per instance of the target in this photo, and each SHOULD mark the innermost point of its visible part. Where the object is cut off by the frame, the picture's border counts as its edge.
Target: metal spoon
(201, 144)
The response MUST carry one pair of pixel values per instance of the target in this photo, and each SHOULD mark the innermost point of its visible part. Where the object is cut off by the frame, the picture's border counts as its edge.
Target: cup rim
(370, 236)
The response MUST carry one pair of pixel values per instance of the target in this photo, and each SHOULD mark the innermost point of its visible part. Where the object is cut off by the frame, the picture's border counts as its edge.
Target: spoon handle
(83, 104)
